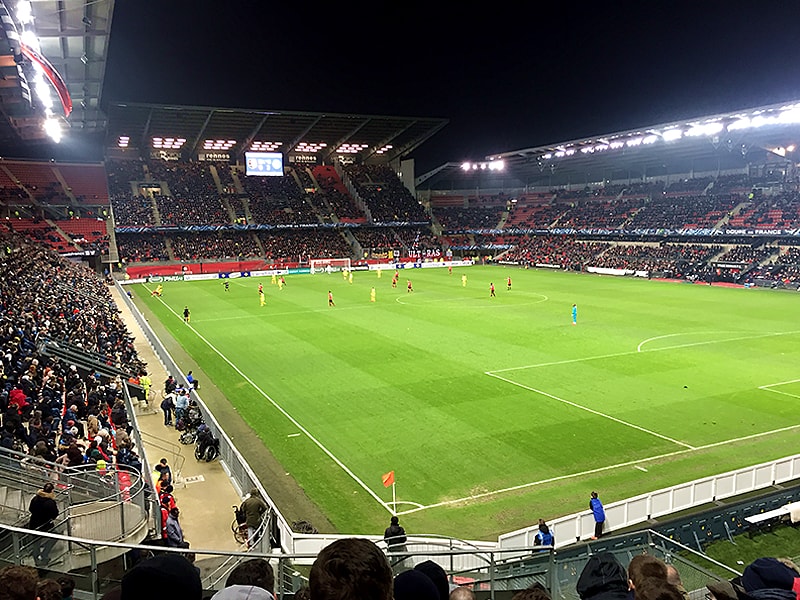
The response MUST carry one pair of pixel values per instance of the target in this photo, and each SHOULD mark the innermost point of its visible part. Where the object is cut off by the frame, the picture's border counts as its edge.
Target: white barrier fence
(639, 509)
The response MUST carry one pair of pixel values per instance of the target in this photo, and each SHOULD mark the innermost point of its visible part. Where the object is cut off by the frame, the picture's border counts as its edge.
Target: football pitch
(494, 411)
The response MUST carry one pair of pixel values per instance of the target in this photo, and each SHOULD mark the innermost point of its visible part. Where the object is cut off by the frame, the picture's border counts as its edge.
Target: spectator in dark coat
(603, 578)
(44, 511)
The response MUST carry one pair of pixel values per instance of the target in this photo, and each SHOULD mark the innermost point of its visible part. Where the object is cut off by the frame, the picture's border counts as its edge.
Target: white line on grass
(768, 389)
(597, 470)
(594, 412)
(640, 468)
(769, 385)
(670, 335)
(294, 421)
(616, 354)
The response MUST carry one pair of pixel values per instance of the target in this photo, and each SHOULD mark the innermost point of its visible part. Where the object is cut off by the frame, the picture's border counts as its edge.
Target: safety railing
(487, 570)
(639, 509)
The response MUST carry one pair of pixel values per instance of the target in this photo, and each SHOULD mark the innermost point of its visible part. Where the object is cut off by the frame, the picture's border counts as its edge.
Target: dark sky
(505, 77)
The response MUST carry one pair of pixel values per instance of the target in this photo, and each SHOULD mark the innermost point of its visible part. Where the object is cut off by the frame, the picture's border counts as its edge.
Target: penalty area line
(283, 411)
(594, 412)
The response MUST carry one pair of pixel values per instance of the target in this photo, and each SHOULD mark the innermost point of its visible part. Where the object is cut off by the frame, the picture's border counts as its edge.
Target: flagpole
(394, 498)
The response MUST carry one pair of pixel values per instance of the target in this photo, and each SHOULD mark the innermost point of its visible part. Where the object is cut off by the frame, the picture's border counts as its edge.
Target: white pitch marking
(600, 469)
(661, 337)
(769, 385)
(594, 412)
(294, 421)
(766, 389)
(616, 354)
(640, 468)
(294, 435)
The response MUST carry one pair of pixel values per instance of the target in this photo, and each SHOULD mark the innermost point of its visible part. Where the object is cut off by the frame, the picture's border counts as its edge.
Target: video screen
(263, 163)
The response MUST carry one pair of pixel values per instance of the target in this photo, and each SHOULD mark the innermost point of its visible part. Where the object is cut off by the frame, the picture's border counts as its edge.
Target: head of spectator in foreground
(48, 589)
(643, 566)
(414, 585)
(769, 577)
(535, 591)
(603, 578)
(437, 575)
(655, 588)
(462, 593)
(255, 571)
(351, 568)
(171, 575)
(18, 583)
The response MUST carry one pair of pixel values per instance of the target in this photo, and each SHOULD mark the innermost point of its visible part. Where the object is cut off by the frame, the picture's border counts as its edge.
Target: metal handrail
(487, 557)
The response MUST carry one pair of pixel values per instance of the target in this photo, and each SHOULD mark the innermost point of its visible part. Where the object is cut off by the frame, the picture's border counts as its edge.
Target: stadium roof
(384, 137)
(716, 142)
(72, 35)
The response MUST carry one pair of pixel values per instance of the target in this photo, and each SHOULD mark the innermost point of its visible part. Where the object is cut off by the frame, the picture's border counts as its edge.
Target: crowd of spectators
(143, 247)
(749, 255)
(214, 245)
(388, 200)
(671, 258)
(120, 174)
(695, 212)
(605, 214)
(781, 211)
(130, 210)
(302, 245)
(458, 218)
(374, 238)
(51, 410)
(566, 251)
(187, 209)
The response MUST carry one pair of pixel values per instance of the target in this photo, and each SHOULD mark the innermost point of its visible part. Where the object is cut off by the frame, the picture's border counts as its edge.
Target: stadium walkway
(203, 491)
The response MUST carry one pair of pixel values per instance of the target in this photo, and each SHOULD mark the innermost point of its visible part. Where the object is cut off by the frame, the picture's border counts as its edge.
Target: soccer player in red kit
(491, 290)
(508, 284)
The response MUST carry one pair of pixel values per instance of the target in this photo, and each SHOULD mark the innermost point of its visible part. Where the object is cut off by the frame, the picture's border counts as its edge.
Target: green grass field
(494, 412)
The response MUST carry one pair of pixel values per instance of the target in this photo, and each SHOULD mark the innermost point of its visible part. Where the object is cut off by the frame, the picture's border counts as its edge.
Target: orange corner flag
(388, 479)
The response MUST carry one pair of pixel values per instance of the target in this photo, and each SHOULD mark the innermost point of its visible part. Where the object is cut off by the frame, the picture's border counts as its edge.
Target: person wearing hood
(44, 511)
(603, 578)
(770, 579)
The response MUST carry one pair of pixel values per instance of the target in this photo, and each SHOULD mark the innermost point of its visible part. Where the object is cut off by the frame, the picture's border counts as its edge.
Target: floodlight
(743, 123)
(790, 148)
(670, 135)
(53, 129)
(548, 156)
(24, 11)
(29, 39)
(650, 139)
(789, 116)
(634, 142)
(465, 166)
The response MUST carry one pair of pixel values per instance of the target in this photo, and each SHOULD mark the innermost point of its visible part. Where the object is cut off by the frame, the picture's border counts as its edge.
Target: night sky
(505, 78)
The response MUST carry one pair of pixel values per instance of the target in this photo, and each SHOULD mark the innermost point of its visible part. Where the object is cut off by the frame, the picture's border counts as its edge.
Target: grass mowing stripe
(294, 421)
(594, 412)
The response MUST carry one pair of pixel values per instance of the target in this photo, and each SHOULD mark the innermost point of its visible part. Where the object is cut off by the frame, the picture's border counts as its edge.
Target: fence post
(93, 555)
(491, 575)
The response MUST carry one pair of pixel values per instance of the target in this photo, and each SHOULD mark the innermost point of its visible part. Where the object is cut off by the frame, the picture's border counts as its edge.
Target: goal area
(329, 265)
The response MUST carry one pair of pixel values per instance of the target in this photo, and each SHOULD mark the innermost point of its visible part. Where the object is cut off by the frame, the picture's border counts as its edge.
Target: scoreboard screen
(264, 163)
